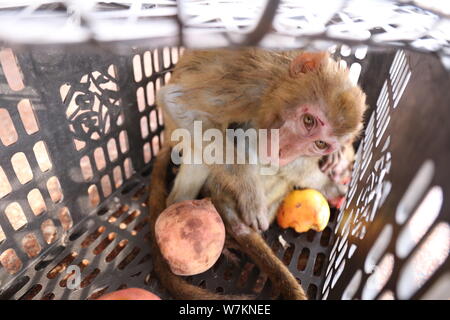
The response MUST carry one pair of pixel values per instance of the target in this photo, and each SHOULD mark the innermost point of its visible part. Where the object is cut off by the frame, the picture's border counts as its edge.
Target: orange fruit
(303, 210)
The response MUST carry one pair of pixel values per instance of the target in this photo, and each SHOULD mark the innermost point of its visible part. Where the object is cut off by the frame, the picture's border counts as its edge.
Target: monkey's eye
(322, 145)
(309, 121)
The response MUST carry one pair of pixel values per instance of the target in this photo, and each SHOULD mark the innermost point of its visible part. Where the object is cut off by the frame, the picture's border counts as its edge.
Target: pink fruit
(130, 294)
(191, 236)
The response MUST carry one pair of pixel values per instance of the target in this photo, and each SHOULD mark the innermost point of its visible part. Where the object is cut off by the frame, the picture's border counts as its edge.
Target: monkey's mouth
(288, 154)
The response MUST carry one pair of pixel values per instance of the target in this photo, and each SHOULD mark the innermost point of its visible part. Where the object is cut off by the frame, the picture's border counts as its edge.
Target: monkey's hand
(251, 202)
(329, 163)
(338, 165)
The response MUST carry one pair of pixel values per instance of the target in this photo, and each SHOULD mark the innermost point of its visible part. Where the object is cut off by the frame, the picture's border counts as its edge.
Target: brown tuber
(190, 235)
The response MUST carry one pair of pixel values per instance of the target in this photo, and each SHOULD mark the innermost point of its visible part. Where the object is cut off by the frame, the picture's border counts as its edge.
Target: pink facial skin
(296, 139)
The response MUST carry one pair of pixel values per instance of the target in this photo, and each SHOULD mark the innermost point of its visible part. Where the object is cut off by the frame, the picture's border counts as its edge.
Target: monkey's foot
(256, 218)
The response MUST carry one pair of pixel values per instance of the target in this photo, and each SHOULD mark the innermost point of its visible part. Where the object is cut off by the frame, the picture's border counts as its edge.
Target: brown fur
(233, 76)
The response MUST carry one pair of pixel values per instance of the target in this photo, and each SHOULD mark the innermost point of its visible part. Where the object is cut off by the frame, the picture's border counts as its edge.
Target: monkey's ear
(307, 62)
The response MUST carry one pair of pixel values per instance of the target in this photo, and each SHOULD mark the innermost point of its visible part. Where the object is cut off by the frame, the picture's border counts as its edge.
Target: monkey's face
(323, 109)
(305, 132)
(316, 108)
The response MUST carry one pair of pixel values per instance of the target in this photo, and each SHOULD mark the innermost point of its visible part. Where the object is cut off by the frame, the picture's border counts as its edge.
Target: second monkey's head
(314, 104)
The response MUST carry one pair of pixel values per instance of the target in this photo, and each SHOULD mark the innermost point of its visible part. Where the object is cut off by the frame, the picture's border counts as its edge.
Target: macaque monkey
(306, 96)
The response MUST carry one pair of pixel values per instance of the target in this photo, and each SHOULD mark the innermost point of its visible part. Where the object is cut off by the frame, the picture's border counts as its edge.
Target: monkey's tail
(178, 287)
(256, 247)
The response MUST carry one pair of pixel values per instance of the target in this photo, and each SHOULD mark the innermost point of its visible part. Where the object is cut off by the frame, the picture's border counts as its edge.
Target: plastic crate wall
(107, 240)
(100, 128)
(393, 234)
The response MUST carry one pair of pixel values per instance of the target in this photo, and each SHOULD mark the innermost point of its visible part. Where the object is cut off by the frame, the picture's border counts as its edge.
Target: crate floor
(109, 250)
